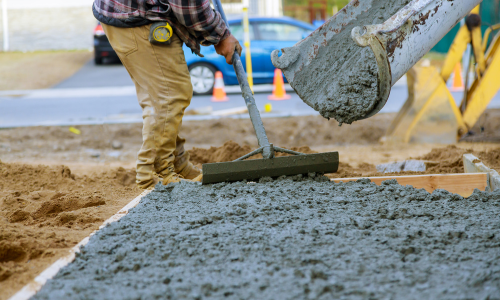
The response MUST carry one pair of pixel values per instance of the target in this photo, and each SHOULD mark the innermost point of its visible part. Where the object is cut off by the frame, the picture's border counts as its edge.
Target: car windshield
(281, 32)
(237, 31)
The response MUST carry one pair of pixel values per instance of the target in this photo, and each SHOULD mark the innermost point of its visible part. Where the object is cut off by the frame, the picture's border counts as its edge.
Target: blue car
(266, 35)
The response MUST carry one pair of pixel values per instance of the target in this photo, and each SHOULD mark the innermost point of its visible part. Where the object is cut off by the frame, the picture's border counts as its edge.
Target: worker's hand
(227, 47)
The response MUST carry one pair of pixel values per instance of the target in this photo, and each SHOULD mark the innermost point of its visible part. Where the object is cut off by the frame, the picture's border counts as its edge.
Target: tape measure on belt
(160, 33)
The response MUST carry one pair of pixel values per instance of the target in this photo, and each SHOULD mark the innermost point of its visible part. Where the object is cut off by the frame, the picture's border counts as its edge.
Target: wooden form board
(473, 164)
(462, 184)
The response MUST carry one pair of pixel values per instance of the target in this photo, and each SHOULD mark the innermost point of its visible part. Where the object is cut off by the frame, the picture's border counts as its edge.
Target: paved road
(92, 75)
(105, 94)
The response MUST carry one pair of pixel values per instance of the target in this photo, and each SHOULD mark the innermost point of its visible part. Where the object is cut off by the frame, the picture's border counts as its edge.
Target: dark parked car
(102, 47)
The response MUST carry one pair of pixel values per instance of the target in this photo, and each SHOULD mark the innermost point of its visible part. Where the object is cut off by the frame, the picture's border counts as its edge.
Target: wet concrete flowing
(292, 238)
(341, 80)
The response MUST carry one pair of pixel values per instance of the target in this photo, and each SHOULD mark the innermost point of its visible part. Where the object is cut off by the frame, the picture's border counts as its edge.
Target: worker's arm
(206, 25)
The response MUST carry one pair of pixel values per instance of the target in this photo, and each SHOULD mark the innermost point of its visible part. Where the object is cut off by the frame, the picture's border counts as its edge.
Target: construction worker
(160, 74)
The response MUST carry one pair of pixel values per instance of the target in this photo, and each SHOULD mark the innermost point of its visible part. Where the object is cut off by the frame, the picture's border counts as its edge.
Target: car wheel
(202, 78)
(98, 60)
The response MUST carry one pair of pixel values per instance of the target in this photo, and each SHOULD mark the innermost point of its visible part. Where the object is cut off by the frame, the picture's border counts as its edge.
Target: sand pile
(491, 158)
(45, 210)
(294, 237)
(227, 152)
(450, 159)
(46, 196)
(231, 151)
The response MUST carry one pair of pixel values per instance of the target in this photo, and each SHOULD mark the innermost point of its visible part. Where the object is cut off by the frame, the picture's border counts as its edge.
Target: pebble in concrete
(292, 238)
(402, 166)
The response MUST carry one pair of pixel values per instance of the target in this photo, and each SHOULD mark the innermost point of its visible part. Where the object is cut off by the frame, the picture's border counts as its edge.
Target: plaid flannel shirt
(194, 21)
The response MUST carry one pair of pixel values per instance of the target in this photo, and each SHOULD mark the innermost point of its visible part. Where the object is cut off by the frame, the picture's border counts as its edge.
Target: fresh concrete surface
(285, 239)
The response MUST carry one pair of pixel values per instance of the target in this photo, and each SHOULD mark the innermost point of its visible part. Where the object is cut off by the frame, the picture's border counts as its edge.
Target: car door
(272, 36)
(237, 31)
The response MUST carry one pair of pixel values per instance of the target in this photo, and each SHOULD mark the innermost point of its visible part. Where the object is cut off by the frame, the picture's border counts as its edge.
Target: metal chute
(398, 44)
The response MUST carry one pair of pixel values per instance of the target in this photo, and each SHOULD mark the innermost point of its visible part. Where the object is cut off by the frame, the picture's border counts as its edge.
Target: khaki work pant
(164, 90)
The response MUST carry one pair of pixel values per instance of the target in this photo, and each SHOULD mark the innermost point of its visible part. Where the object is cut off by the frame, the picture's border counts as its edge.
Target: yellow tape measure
(160, 33)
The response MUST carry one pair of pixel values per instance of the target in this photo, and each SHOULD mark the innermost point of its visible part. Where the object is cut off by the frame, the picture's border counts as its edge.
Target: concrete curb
(34, 286)
(472, 164)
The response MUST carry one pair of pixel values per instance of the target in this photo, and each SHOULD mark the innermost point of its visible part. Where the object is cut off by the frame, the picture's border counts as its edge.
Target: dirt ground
(443, 160)
(109, 146)
(46, 208)
(17, 68)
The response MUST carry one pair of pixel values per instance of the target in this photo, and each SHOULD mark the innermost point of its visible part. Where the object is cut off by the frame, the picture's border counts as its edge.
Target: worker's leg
(182, 164)
(179, 94)
(164, 91)
(147, 154)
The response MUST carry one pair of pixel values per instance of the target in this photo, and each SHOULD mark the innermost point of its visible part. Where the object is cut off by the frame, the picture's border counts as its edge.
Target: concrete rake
(269, 166)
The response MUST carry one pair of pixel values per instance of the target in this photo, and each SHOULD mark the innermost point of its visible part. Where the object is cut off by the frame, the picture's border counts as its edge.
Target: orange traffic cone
(279, 92)
(458, 83)
(219, 89)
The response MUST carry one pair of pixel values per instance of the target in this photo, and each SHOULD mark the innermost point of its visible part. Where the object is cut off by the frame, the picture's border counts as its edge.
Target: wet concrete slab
(292, 238)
